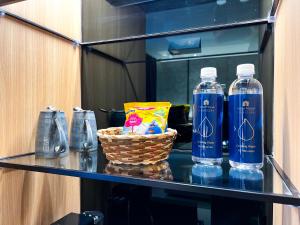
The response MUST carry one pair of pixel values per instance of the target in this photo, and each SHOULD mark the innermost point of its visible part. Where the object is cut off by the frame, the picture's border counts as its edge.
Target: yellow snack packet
(146, 117)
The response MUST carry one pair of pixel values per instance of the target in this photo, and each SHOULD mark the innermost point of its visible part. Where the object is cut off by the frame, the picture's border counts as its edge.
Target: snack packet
(146, 117)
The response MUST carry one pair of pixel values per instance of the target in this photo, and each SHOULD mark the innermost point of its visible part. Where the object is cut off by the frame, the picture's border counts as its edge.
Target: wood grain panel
(29, 198)
(36, 70)
(61, 16)
(287, 101)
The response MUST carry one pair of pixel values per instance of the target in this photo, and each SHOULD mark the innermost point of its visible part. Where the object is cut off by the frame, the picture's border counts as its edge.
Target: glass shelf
(212, 44)
(147, 64)
(112, 21)
(122, 20)
(177, 173)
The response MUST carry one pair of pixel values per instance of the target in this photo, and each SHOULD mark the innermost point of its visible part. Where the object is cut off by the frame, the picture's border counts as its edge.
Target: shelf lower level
(177, 173)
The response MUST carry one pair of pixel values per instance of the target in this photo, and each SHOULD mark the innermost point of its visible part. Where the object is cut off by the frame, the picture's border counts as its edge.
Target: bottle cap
(208, 72)
(243, 70)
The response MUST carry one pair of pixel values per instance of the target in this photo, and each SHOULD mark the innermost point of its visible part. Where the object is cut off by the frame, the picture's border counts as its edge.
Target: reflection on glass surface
(246, 179)
(113, 19)
(207, 174)
(237, 40)
(177, 170)
(242, 40)
(61, 162)
(88, 161)
(160, 170)
(176, 79)
(137, 17)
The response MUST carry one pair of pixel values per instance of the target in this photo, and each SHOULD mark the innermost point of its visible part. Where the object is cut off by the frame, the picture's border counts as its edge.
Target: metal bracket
(292, 188)
(271, 19)
(76, 44)
(2, 13)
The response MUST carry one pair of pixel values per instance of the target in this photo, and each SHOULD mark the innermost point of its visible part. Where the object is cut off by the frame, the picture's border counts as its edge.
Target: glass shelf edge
(179, 32)
(274, 8)
(196, 189)
(16, 156)
(293, 200)
(263, 43)
(4, 13)
(292, 188)
(99, 53)
(138, 37)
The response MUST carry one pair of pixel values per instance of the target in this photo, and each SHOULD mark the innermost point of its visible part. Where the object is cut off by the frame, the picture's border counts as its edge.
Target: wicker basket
(136, 149)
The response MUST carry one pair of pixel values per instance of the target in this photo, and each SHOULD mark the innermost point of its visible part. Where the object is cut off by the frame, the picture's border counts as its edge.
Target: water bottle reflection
(207, 174)
(251, 180)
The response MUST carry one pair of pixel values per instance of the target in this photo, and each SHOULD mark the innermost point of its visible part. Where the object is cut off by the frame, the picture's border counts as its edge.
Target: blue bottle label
(245, 128)
(207, 125)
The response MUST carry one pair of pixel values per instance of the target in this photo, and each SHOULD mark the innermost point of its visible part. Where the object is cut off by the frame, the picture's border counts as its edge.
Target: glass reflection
(252, 180)
(207, 174)
(178, 168)
(138, 17)
(88, 161)
(158, 171)
(59, 162)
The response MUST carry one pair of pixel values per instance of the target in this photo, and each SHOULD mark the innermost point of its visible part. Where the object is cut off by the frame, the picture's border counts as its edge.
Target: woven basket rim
(133, 136)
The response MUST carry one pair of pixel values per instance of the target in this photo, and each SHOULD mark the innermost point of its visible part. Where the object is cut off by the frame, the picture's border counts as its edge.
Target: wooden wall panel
(287, 101)
(35, 70)
(63, 16)
(29, 198)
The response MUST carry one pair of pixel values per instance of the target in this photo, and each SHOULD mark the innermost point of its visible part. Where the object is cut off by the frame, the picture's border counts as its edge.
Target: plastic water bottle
(246, 120)
(208, 97)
